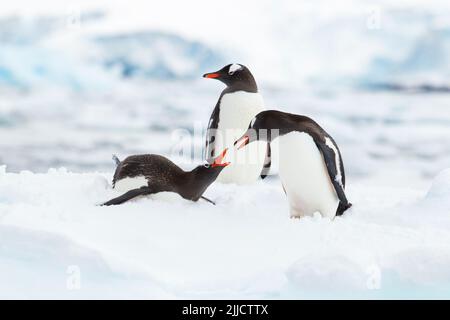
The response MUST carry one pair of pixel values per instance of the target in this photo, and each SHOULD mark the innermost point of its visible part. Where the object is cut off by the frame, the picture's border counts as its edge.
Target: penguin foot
(207, 200)
(342, 208)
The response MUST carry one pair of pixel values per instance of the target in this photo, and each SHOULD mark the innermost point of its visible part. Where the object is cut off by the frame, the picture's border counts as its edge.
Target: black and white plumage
(311, 167)
(147, 174)
(238, 103)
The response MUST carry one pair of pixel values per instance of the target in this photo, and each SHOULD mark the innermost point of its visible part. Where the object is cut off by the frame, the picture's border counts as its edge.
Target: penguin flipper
(128, 196)
(211, 133)
(267, 163)
(330, 157)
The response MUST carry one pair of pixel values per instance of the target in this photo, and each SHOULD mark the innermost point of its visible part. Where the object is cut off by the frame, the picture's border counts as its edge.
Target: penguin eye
(207, 165)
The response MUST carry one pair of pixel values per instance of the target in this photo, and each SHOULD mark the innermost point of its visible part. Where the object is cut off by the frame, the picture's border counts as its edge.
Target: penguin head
(203, 175)
(210, 170)
(235, 75)
(259, 129)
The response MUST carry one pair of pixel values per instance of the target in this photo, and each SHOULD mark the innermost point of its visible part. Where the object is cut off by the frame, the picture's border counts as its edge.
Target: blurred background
(80, 81)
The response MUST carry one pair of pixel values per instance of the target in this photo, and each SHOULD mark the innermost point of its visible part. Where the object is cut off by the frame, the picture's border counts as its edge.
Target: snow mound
(440, 188)
(427, 266)
(336, 273)
(49, 266)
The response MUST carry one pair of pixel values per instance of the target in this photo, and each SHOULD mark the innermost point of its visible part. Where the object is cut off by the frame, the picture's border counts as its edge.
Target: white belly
(304, 177)
(236, 111)
(128, 184)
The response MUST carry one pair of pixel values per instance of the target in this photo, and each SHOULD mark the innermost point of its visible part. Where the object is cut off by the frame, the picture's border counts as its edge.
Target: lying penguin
(310, 163)
(150, 173)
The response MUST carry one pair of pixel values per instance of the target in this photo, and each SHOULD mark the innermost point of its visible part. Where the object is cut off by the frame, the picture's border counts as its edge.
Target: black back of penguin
(162, 173)
(287, 122)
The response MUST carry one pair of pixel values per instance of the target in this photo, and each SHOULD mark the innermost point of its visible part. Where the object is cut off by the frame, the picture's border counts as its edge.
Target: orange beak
(218, 161)
(242, 142)
(212, 75)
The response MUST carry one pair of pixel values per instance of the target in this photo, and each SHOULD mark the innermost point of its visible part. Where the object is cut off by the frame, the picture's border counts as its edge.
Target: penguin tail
(116, 159)
(342, 208)
(265, 172)
(267, 163)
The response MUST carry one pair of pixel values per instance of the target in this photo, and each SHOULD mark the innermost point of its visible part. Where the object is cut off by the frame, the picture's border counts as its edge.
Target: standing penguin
(150, 173)
(238, 103)
(310, 163)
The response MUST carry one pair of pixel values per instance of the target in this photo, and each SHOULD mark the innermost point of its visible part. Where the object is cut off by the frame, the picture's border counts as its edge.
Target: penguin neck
(194, 183)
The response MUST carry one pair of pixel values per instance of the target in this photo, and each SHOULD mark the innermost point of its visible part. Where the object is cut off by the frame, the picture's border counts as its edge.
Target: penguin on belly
(311, 169)
(150, 174)
(238, 104)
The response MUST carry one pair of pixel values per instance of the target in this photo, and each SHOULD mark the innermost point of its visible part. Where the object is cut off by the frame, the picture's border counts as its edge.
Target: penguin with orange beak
(238, 103)
(311, 168)
(142, 175)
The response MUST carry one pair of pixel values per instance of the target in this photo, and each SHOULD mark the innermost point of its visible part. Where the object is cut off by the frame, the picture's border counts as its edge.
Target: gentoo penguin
(238, 103)
(310, 164)
(150, 173)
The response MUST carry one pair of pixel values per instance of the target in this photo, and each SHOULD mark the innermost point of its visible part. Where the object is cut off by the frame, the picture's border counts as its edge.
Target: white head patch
(253, 122)
(234, 67)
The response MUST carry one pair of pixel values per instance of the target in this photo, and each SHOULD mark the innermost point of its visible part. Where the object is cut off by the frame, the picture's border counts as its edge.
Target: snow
(244, 247)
